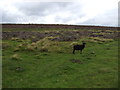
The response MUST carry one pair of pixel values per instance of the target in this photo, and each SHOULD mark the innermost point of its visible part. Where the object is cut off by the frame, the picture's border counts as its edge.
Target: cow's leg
(80, 51)
(73, 51)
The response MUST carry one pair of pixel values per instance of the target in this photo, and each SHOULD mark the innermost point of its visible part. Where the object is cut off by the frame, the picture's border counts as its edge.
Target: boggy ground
(49, 63)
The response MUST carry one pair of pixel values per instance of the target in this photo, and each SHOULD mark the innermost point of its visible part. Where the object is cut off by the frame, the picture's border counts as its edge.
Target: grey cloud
(38, 11)
(70, 18)
(119, 14)
(43, 9)
(40, 8)
(108, 19)
(8, 18)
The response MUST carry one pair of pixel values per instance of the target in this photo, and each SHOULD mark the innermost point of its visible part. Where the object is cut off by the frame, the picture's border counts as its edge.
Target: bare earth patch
(76, 61)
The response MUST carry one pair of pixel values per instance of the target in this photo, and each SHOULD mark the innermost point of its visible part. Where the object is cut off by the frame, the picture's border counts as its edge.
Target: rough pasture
(42, 58)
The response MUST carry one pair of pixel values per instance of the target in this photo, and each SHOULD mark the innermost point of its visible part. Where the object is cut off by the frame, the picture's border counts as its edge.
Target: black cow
(78, 47)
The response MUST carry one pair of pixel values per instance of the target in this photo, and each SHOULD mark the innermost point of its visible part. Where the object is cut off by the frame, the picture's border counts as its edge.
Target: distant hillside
(60, 26)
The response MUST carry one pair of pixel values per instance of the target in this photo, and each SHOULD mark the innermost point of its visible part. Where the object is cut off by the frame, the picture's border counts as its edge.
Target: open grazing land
(41, 56)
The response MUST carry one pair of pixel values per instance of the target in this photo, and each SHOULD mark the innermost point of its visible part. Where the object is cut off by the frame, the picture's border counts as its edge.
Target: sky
(73, 12)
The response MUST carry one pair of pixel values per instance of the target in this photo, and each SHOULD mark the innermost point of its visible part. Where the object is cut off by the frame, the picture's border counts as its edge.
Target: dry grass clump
(48, 38)
(47, 31)
(93, 40)
(16, 49)
(46, 44)
(16, 39)
(73, 43)
(44, 49)
(33, 44)
(98, 39)
(30, 48)
(15, 57)
(42, 45)
(43, 42)
(20, 45)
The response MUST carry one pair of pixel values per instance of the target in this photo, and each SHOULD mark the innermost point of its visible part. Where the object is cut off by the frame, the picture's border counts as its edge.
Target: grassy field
(51, 64)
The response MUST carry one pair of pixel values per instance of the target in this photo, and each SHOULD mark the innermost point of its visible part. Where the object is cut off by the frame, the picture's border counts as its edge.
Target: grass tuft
(15, 57)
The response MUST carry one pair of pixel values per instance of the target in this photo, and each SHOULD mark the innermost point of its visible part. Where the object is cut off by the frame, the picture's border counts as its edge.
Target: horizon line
(64, 24)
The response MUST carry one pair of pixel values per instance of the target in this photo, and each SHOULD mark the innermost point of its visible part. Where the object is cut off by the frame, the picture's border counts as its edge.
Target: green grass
(55, 70)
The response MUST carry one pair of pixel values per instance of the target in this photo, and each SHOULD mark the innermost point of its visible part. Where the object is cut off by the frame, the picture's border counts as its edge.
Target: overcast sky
(80, 12)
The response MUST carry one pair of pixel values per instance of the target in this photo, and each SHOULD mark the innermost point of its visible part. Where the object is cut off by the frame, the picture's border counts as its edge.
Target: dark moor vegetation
(43, 57)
